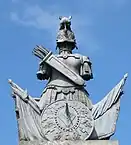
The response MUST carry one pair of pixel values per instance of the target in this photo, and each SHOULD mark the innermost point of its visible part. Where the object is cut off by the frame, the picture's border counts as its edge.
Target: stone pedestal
(90, 142)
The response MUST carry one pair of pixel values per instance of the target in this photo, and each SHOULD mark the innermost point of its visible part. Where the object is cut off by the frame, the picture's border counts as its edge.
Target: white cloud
(35, 16)
(43, 19)
(46, 18)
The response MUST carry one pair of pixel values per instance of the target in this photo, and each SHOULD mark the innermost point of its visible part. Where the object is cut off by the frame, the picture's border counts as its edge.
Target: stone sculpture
(64, 111)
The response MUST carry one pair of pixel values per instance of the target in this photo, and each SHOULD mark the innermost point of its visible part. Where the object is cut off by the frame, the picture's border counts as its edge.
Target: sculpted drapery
(64, 110)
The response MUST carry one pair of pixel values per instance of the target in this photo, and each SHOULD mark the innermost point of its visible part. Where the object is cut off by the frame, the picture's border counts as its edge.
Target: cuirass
(73, 61)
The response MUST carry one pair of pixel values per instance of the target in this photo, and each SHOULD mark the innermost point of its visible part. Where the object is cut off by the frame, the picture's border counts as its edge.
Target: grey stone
(64, 110)
(90, 142)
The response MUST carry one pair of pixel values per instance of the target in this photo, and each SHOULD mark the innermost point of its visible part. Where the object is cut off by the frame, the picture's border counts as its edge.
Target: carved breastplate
(73, 62)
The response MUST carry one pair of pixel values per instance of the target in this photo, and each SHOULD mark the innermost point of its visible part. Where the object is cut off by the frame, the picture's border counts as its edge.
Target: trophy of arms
(66, 73)
(64, 110)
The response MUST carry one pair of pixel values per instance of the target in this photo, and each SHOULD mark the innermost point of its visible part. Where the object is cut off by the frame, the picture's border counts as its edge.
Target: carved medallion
(70, 120)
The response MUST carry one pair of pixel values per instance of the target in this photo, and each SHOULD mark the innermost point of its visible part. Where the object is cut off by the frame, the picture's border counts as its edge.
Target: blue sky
(103, 32)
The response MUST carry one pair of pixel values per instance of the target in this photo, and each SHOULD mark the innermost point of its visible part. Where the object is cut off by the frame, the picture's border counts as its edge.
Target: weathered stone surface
(64, 111)
(89, 142)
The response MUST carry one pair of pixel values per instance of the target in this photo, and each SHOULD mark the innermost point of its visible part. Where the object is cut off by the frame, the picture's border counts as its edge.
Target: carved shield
(67, 120)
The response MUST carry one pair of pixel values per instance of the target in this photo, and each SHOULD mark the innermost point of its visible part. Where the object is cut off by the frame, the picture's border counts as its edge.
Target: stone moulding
(89, 142)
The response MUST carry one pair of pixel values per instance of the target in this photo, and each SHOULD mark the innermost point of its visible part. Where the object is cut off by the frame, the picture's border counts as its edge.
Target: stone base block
(89, 142)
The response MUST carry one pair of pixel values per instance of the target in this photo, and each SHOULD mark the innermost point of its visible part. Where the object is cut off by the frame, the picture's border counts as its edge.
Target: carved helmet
(65, 34)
